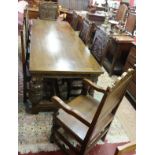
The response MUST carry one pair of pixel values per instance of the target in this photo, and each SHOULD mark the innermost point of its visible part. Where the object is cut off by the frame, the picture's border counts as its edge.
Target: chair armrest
(93, 85)
(127, 148)
(69, 110)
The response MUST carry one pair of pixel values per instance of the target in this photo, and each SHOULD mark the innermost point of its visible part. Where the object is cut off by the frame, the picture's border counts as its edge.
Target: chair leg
(54, 127)
(24, 85)
(24, 91)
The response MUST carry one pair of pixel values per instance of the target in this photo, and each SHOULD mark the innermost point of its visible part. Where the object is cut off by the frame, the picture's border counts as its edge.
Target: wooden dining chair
(75, 21)
(27, 26)
(25, 65)
(86, 31)
(121, 13)
(48, 10)
(99, 45)
(78, 125)
(130, 23)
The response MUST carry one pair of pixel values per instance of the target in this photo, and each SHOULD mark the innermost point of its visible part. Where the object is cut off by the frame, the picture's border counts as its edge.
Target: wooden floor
(126, 114)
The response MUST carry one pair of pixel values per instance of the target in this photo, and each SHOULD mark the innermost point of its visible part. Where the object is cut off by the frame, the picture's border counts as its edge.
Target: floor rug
(104, 149)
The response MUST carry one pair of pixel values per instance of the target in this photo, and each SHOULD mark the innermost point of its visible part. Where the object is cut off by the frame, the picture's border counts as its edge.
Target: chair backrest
(23, 45)
(99, 45)
(121, 13)
(130, 23)
(85, 31)
(48, 10)
(107, 109)
(75, 20)
(26, 24)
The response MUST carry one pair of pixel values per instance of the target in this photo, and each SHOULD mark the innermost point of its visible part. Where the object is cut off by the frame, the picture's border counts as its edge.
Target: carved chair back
(121, 13)
(48, 10)
(99, 45)
(106, 110)
(85, 31)
(75, 20)
(130, 23)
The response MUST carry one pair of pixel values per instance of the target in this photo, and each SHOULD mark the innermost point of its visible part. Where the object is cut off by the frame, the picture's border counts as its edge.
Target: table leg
(36, 93)
(90, 91)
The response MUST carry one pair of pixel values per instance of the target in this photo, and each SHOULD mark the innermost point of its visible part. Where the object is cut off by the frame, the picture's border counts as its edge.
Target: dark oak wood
(57, 52)
(84, 118)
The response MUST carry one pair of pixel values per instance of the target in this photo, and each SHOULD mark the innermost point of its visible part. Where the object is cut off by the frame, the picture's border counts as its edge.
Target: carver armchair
(78, 125)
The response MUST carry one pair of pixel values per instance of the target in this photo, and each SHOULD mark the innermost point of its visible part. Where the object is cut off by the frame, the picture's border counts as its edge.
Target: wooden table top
(56, 49)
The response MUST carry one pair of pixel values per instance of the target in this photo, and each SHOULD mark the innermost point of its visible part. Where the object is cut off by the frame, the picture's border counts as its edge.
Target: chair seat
(86, 106)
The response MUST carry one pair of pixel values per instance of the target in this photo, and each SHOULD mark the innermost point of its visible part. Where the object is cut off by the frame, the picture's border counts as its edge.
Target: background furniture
(33, 13)
(48, 10)
(27, 28)
(131, 61)
(85, 32)
(52, 54)
(99, 45)
(116, 54)
(69, 14)
(75, 20)
(121, 13)
(97, 17)
(86, 120)
(130, 25)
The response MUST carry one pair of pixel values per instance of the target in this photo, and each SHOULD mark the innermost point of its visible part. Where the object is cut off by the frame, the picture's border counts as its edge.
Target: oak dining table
(56, 51)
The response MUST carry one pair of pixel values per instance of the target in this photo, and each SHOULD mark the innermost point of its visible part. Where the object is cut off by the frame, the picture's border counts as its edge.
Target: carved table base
(43, 88)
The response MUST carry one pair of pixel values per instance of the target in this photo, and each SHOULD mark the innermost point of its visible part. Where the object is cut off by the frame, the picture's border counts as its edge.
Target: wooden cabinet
(131, 61)
(116, 55)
